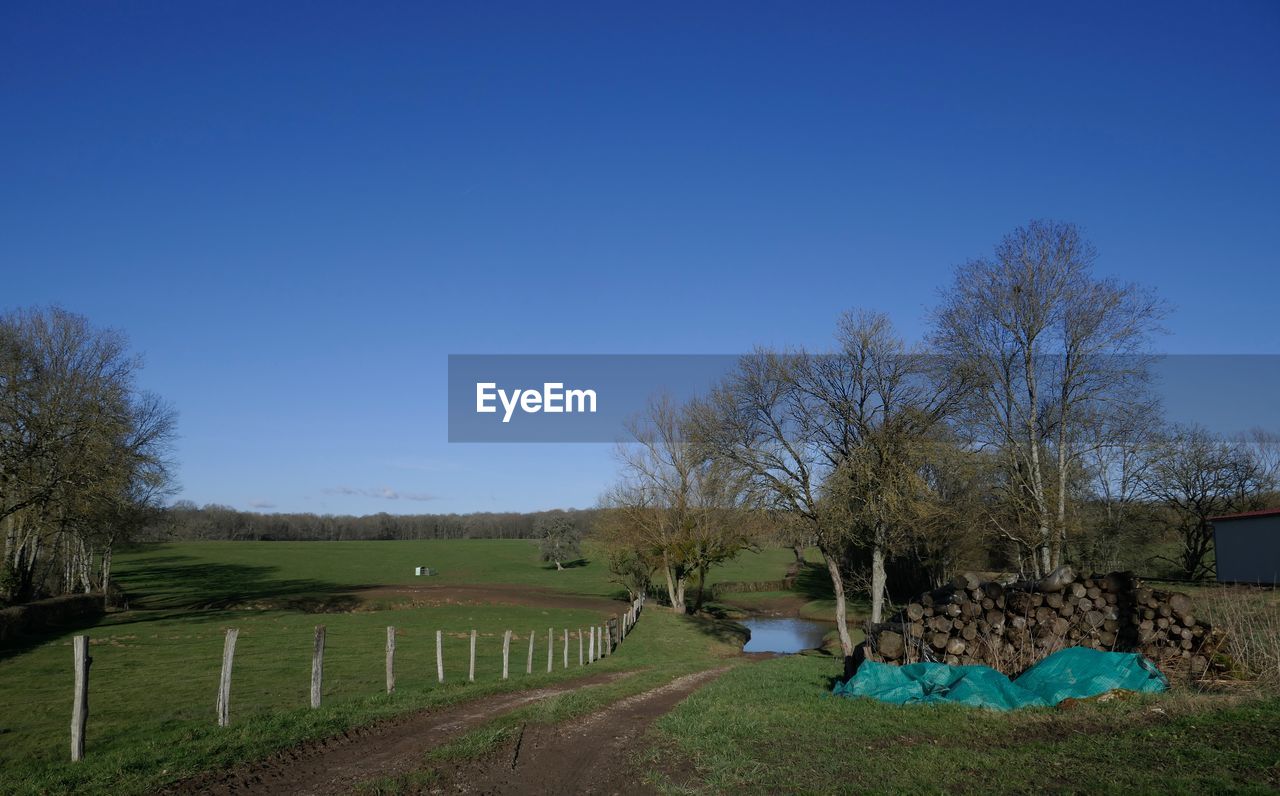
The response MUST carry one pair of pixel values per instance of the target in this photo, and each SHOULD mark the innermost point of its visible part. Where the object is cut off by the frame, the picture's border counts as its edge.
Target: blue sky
(298, 211)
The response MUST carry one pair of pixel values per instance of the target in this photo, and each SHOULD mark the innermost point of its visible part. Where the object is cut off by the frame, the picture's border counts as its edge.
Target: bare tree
(762, 422)
(1195, 476)
(674, 504)
(830, 442)
(1049, 343)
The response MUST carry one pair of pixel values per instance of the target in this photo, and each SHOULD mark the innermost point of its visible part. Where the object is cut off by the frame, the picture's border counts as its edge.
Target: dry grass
(1251, 619)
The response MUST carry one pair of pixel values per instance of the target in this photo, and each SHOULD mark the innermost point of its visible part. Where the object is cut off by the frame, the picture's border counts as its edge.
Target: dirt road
(389, 748)
(589, 755)
(585, 756)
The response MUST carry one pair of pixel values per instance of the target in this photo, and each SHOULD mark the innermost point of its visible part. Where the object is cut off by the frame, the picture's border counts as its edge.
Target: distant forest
(185, 521)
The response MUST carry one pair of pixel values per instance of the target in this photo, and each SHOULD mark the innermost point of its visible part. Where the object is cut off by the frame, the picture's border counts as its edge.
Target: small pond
(784, 634)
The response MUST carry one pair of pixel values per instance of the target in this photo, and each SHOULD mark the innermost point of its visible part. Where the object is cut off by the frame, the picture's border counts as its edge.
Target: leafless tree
(829, 441)
(1050, 344)
(1196, 475)
(674, 504)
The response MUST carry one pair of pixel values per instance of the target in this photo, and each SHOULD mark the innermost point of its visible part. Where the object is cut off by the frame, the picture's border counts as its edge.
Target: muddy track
(385, 749)
(589, 755)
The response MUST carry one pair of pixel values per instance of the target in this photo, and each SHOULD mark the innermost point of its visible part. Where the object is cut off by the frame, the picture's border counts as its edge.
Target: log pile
(1010, 626)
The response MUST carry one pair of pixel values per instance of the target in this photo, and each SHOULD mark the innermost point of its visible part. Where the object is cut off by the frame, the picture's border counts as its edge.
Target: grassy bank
(772, 727)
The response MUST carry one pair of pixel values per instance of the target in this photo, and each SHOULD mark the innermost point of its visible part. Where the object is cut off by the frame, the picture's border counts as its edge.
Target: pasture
(155, 666)
(762, 726)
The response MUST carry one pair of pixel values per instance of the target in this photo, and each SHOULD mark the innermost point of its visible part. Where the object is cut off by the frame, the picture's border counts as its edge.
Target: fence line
(597, 647)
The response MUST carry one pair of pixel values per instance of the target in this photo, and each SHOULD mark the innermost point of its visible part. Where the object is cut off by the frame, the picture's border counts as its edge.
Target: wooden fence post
(566, 648)
(580, 646)
(528, 666)
(551, 648)
(391, 659)
(506, 652)
(224, 681)
(471, 672)
(591, 646)
(317, 667)
(621, 628)
(80, 702)
(440, 655)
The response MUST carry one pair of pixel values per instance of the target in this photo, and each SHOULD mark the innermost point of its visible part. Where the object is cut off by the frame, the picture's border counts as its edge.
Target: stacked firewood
(1010, 625)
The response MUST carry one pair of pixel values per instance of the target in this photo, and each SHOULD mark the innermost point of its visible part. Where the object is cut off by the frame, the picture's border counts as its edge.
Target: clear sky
(298, 211)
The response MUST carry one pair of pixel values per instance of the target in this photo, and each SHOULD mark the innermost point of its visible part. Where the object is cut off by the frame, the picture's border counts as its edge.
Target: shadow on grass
(35, 638)
(814, 582)
(188, 583)
(722, 630)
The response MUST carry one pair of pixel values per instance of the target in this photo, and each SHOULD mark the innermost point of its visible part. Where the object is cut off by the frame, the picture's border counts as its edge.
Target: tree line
(184, 521)
(1022, 434)
(84, 453)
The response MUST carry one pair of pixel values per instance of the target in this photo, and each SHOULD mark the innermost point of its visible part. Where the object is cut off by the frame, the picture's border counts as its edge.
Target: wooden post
(224, 681)
(80, 702)
(391, 659)
(566, 648)
(551, 648)
(506, 652)
(317, 667)
(471, 672)
(591, 646)
(528, 666)
(621, 628)
(440, 655)
(580, 646)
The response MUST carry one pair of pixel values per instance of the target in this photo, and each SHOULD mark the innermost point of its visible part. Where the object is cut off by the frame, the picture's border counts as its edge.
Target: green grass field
(773, 727)
(155, 667)
(765, 726)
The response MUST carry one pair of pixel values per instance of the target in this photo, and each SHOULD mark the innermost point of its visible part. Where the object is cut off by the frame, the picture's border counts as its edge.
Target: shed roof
(1242, 515)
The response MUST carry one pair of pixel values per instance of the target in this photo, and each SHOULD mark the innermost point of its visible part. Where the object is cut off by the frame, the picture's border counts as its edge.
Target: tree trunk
(106, 569)
(798, 550)
(879, 579)
(842, 622)
(675, 586)
(1060, 538)
(559, 568)
(702, 588)
(1036, 473)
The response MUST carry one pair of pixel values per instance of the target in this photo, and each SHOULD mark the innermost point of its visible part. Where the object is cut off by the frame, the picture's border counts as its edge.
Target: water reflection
(786, 634)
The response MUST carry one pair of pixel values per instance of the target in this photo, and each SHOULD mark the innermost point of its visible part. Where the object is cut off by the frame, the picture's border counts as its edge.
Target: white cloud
(381, 492)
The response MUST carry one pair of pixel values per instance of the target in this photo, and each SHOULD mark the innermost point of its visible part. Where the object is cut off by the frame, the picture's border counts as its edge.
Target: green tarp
(1076, 673)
